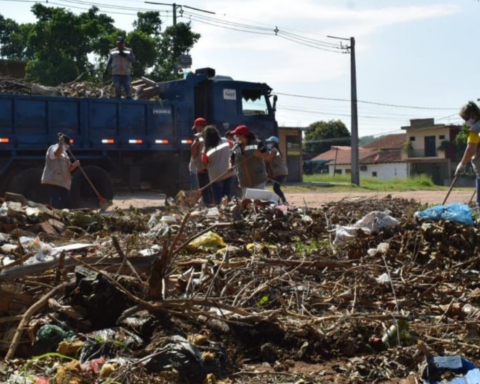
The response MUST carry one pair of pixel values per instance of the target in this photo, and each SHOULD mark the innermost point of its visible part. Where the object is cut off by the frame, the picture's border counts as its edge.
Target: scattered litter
(459, 213)
(240, 293)
(371, 224)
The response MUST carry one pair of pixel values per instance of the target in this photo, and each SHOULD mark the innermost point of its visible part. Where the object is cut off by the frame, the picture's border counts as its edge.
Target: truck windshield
(254, 103)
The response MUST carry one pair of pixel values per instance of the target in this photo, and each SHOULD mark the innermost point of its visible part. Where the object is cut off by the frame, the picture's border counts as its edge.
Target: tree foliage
(61, 45)
(324, 135)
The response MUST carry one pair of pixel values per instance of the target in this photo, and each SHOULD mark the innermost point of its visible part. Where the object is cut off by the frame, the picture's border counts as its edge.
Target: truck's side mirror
(274, 107)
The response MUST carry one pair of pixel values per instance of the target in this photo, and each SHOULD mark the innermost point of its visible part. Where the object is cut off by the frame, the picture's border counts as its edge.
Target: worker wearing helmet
(277, 168)
(57, 174)
(248, 155)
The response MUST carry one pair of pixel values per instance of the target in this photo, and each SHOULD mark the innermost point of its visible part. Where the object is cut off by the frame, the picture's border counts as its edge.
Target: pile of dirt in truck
(357, 291)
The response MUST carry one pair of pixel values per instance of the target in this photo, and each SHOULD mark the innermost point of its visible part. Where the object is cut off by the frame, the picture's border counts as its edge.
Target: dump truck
(123, 143)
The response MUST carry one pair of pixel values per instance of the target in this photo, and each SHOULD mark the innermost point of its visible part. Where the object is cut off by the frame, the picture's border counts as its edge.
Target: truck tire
(82, 194)
(28, 183)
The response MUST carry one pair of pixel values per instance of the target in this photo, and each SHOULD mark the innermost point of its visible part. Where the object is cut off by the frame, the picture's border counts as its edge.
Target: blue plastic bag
(457, 212)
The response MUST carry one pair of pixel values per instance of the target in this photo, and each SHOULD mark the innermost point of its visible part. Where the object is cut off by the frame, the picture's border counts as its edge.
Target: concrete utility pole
(176, 6)
(355, 154)
(353, 84)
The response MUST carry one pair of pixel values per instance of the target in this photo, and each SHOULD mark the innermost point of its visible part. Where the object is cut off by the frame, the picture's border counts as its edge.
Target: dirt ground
(150, 200)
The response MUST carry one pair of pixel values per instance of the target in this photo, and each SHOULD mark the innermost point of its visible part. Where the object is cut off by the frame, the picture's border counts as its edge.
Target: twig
(27, 316)
(116, 244)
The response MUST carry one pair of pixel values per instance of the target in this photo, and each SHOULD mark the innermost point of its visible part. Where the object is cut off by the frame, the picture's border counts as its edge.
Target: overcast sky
(421, 53)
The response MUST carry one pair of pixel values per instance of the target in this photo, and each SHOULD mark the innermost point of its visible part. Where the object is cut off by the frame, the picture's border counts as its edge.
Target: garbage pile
(248, 292)
(143, 89)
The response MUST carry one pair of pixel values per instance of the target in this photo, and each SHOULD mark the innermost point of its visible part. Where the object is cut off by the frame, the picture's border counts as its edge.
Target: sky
(409, 53)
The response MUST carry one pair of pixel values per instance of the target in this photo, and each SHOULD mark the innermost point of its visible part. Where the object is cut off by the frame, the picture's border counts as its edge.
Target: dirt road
(151, 200)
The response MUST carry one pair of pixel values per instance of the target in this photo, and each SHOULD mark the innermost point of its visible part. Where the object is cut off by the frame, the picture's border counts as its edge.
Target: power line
(312, 43)
(120, 7)
(346, 115)
(309, 45)
(224, 27)
(361, 101)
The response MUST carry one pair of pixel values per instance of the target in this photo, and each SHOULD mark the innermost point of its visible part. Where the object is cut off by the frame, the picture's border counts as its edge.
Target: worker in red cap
(198, 170)
(249, 155)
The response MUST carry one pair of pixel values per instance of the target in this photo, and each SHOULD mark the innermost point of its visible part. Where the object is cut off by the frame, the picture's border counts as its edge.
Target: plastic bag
(371, 223)
(457, 212)
(178, 354)
(209, 240)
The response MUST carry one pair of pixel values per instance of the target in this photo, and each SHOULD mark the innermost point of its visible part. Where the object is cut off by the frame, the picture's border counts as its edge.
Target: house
(291, 147)
(430, 149)
(382, 158)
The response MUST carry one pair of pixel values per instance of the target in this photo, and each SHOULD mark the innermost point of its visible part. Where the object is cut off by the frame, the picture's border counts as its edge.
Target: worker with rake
(248, 157)
(57, 174)
(471, 114)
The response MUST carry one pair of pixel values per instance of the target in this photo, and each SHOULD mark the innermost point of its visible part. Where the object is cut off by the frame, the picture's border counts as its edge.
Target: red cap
(200, 122)
(241, 130)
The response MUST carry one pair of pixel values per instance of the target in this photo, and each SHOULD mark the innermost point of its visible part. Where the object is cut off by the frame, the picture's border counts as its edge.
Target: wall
(282, 135)
(420, 134)
(385, 171)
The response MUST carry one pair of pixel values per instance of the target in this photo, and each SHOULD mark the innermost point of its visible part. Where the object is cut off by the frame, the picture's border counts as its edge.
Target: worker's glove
(460, 169)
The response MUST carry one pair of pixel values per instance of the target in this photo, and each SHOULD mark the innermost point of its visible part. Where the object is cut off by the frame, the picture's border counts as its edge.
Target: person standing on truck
(471, 114)
(215, 156)
(249, 155)
(57, 174)
(121, 60)
(196, 165)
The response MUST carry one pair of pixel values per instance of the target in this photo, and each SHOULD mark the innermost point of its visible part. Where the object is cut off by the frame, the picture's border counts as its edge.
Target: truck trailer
(125, 143)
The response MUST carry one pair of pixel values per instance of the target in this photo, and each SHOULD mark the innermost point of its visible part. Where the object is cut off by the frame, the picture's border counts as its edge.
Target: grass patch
(419, 182)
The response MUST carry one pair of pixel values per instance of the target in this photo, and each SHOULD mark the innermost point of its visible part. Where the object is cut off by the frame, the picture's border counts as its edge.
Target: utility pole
(176, 6)
(353, 78)
(354, 111)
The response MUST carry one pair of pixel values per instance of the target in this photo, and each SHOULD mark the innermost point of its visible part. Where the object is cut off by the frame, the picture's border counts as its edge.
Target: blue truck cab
(125, 143)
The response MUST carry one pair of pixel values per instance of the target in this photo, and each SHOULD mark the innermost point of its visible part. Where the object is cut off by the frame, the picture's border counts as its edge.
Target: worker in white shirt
(57, 174)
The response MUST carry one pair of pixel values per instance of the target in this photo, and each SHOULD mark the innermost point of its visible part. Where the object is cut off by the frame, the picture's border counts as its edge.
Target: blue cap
(274, 139)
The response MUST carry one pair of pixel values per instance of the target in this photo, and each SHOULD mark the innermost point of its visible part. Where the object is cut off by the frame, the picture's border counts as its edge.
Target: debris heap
(143, 89)
(249, 292)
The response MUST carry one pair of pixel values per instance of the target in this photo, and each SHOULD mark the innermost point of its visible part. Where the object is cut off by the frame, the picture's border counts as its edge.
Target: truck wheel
(82, 194)
(28, 183)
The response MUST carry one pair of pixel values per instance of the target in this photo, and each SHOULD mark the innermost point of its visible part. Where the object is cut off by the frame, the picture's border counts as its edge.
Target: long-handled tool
(450, 189)
(104, 203)
(195, 195)
(471, 199)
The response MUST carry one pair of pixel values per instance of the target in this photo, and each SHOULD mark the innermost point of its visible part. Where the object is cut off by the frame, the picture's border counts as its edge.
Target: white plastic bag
(372, 223)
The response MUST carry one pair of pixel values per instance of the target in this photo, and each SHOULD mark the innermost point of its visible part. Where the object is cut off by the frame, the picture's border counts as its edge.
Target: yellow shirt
(473, 138)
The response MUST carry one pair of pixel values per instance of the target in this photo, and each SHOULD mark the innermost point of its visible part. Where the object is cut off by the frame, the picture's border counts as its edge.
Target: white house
(382, 158)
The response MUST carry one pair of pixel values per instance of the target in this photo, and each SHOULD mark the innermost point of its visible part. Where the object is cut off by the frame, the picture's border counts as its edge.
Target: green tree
(324, 135)
(149, 23)
(62, 45)
(175, 41)
(364, 140)
(13, 40)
